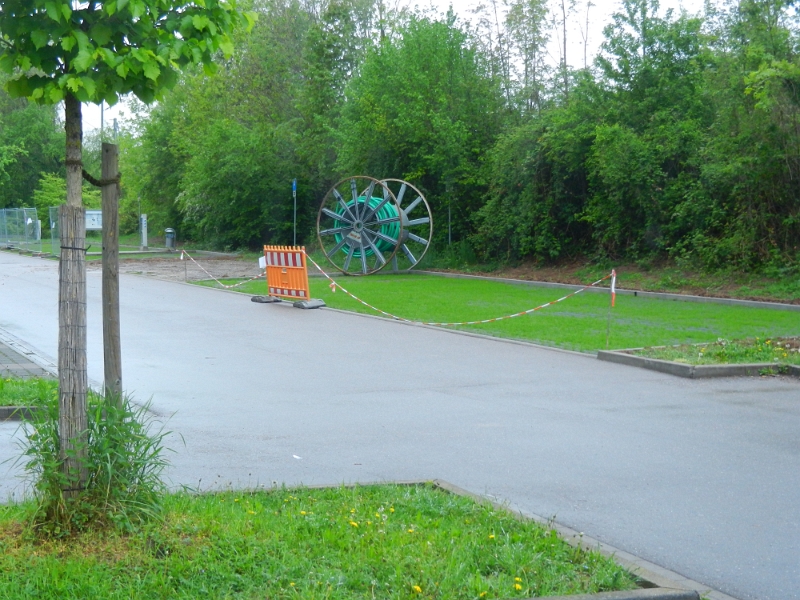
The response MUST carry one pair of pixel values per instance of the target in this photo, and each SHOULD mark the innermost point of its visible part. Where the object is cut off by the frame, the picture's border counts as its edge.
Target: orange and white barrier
(287, 275)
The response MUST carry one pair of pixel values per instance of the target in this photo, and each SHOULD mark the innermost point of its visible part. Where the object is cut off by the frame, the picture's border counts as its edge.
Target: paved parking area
(701, 477)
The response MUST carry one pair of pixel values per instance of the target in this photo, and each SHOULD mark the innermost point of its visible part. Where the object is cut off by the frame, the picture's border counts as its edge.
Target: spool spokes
(417, 221)
(359, 224)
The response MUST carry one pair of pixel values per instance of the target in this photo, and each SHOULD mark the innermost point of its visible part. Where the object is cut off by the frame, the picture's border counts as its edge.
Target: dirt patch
(175, 269)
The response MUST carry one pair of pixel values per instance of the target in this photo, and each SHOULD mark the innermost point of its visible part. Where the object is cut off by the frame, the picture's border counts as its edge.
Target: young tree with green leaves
(91, 51)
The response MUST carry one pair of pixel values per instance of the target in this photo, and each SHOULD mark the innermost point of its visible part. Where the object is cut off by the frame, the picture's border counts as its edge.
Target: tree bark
(112, 353)
(72, 378)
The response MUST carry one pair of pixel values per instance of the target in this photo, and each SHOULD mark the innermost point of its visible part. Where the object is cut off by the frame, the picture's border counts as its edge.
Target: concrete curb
(657, 580)
(624, 292)
(651, 594)
(17, 413)
(692, 371)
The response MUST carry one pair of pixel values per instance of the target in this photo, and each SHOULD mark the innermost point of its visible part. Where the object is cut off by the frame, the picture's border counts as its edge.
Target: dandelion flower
(517, 579)
(491, 536)
(410, 531)
(417, 589)
(302, 512)
(353, 523)
(251, 512)
(391, 509)
(483, 594)
(517, 586)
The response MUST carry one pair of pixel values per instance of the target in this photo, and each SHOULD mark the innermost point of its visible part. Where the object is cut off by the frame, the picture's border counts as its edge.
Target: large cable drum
(359, 224)
(364, 224)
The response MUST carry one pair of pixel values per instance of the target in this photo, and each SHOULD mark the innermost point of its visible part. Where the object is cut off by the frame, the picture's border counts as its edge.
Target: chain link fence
(55, 234)
(20, 229)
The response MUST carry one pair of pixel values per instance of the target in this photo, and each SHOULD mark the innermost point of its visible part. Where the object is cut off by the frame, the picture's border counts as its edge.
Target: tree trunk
(112, 354)
(72, 378)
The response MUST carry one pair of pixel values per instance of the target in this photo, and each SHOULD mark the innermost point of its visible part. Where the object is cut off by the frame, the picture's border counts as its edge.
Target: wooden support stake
(72, 378)
(112, 353)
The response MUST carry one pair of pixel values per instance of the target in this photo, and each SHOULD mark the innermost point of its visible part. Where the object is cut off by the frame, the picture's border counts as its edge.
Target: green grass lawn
(345, 543)
(26, 392)
(758, 350)
(578, 323)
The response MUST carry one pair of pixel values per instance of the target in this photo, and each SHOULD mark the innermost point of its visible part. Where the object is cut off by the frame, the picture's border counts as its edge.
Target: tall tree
(424, 107)
(93, 51)
(526, 22)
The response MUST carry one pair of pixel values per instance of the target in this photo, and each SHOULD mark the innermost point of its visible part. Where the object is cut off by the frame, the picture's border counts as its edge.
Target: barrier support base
(308, 304)
(264, 299)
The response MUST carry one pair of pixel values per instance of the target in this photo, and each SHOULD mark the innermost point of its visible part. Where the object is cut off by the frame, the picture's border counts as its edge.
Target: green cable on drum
(392, 229)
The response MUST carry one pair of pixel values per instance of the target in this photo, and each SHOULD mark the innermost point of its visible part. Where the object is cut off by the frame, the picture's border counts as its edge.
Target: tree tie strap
(75, 248)
(101, 182)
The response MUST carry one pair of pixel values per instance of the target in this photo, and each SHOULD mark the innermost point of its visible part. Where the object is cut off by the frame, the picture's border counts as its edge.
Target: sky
(600, 13)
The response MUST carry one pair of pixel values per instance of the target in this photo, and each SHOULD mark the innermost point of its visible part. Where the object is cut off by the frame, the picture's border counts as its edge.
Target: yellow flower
(353, 523)
(482, 594)
(517, 579)
(292, 583)
(491, 536)
(302, 512)
(251, 512)
(410, 531)
(235, 499)
(352, 510)
(378, 515)
(417, 589)
(369, 522)
(391, 509)
(517, 586)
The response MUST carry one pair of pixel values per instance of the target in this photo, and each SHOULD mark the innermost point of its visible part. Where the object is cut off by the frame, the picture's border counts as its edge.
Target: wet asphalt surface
(700, 477)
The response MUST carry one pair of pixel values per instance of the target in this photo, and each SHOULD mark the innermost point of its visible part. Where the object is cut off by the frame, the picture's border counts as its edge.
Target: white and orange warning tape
(184, 252)
(334, 285)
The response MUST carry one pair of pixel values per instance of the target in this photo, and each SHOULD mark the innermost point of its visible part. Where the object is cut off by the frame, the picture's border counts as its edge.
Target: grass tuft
(124, 463)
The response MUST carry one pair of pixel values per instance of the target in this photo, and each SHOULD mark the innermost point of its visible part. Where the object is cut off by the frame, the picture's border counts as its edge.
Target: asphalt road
(701, 477)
